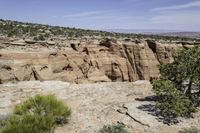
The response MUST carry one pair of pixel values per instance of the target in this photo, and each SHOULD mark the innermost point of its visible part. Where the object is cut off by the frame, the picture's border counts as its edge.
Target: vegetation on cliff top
(38, 31)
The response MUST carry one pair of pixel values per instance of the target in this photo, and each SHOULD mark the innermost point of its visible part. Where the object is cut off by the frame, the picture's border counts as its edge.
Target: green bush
(38, 114)
(114, 128)
(44, 105)
(39, 38)
(29, 124)
(178, 88)
(171, 101)
(190, 130)
(35, 38)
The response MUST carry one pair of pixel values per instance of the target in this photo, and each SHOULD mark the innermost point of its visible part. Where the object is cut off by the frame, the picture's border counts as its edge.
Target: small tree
(171, 101)
(184, 72)
(179, 83)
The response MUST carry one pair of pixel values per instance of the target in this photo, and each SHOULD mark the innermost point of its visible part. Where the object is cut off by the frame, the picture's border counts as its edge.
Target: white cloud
(168, 20)
(106, 19)
(177, 7)
(98, 15)
(82, 14)
(188, 21)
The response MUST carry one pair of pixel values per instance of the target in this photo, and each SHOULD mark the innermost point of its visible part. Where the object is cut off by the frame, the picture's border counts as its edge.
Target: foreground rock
(82, 61)
(94, 105)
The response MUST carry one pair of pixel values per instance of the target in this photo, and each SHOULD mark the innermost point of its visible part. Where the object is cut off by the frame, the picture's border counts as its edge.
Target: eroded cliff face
(86, 61)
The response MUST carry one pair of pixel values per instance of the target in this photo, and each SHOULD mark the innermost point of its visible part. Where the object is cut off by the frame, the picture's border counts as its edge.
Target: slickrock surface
(94, 105)
(83, 61)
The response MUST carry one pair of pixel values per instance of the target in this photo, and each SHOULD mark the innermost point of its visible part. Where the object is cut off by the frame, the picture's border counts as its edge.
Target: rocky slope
(82, 61)
(95, 105)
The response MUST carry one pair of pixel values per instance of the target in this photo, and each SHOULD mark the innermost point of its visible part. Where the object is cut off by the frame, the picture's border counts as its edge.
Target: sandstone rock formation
(83, 61)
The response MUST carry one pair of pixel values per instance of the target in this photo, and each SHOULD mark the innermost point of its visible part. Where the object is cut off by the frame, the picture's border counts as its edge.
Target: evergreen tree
(178, 88)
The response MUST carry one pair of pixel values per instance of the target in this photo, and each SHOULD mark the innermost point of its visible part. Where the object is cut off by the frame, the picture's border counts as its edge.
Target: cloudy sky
(183, 15)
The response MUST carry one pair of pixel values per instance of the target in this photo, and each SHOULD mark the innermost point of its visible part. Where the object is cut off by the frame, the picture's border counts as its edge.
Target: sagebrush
(39, 114)
(114, 128)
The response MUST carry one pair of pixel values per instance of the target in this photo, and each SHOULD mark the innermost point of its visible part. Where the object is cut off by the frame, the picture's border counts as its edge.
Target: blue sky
(181, 15)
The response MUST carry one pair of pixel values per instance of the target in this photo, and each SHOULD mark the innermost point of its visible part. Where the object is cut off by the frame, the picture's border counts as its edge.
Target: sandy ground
(95, 105)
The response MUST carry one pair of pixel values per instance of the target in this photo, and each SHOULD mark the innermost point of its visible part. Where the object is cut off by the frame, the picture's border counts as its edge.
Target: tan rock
(87, 61)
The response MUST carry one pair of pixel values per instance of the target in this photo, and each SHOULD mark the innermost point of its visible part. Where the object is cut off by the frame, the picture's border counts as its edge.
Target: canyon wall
(83, 61)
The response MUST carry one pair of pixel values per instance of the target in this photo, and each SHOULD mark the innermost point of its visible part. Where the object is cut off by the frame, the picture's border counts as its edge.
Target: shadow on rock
(152, 110)
(148, 98)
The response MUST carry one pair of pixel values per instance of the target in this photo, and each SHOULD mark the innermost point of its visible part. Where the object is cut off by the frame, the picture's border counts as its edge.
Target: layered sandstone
(83, 61)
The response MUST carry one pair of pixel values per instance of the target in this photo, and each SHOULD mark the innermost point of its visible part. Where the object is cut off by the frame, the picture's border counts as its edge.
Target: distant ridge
(183, 34)
(36, 31)
(173, 33)
(141, 31)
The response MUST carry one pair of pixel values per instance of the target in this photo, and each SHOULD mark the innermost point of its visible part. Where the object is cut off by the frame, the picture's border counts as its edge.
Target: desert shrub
(4, 118)
(178, 88)
(172, 102)
(39, 38)
(190, 130)
(114, 128)
(38, 114)
(29, 124)
(35, 38)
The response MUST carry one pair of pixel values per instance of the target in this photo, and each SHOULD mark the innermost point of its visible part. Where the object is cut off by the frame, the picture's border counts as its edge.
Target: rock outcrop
(83, 61)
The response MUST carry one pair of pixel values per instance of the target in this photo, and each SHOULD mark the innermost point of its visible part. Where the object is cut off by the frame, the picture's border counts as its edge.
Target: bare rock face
(86, 61)
(96, 105)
